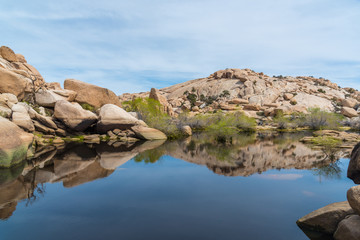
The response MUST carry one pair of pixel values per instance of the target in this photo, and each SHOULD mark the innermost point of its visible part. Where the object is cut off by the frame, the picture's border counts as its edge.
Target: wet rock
(14, 149)
(86, 93)
(326, 219)
(348, 229)
(73, 115)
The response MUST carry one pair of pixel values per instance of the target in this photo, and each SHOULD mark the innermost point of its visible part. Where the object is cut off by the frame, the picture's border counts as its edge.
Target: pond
(255, 188)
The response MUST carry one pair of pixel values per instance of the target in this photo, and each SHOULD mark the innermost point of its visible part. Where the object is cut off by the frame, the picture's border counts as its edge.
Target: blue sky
(131, 46)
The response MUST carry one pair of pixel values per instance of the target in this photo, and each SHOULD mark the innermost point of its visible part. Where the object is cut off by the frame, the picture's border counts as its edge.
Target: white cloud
(116, 43)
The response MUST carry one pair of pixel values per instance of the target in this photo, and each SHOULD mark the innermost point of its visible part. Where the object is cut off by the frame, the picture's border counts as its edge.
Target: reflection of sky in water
(174, 199)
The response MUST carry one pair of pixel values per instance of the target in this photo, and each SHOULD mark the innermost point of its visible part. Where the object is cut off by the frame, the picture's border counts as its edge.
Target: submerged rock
(326, 219)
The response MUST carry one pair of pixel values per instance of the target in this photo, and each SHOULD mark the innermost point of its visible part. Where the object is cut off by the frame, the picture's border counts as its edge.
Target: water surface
(189, 189)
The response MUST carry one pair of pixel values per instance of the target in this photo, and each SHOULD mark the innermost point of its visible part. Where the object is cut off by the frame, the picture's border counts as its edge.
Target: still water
(190, 189)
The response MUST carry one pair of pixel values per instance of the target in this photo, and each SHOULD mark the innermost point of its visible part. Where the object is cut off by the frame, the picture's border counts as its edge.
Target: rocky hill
(252, 92)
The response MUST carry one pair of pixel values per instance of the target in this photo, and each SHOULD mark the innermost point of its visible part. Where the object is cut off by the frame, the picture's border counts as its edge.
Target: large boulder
(326, 219)
(14, 83)
(349, 112)
(349, 102)
(353, 171)
(48, 98)
(73, 115)
(91, 94)
(353, 197)
(14, 143)
(348, 229)
(113, 117)
(147, 133)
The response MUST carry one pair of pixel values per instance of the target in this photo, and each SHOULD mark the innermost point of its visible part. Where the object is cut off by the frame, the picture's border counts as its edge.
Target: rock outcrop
(252, 92)
(91, 94)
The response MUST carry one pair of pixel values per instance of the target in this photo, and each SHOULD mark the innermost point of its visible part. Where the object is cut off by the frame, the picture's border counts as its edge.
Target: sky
(131, 46)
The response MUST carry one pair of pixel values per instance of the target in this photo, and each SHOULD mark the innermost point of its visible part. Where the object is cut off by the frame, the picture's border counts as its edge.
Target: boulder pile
(31, 109)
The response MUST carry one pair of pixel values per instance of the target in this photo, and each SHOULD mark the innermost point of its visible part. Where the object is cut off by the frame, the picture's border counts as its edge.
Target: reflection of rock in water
(257, 157)
(73, 165)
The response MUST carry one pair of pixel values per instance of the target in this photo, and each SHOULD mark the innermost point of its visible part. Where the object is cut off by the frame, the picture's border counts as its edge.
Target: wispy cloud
(117, 43)
(285, 176)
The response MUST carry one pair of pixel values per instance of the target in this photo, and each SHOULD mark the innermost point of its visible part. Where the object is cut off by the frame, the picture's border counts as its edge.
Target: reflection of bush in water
(35, 193)
(222, 150)
(331, 171)
(150, 156)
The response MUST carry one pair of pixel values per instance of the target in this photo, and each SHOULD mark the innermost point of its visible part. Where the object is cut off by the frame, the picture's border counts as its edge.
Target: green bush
(88, 107)
(318, 119)
(150, 112)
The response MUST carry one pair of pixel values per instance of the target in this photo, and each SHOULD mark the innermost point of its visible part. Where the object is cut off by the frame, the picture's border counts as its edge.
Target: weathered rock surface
(91, 94)
(326, 219)
(349, 102)
(348, 229)
(14, 83)
(13, 149)
(353, 171)
(349, 112)
(8, 54)
(73, 115)
(21, 117)
(353, 197)
(48, 98)
(147, 133)
(113, 117)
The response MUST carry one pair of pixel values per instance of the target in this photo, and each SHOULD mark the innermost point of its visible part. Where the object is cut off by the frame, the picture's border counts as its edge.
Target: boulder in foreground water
(354, 165)
(326, 219)
(348, 229)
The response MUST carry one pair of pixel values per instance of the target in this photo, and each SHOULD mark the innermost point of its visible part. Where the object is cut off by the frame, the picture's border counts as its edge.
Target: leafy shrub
(150, 112)
(88, 107)
(319, 119)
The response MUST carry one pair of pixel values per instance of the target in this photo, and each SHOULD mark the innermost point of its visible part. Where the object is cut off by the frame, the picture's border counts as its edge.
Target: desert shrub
(318, 119)
(321, 90)
(150, 112)
(225, 94)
